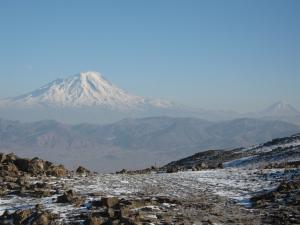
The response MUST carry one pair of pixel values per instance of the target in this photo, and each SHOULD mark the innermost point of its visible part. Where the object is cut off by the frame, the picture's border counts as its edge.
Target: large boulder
(10, 158)
(22, 164)
(36, 166)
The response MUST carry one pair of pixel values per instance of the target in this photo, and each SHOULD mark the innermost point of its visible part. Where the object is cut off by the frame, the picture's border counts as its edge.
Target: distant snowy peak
(280, 109)
(85, 89)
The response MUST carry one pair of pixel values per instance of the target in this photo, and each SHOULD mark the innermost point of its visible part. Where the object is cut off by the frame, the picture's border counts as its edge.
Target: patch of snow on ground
(235, 184)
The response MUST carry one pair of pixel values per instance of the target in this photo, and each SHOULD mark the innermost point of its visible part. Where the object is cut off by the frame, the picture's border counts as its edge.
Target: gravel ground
(200, 197)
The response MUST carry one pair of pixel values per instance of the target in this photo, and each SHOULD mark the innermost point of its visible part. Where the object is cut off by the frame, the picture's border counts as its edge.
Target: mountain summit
(86, 97)
(88, 89)
(279, 109)
(84, 89)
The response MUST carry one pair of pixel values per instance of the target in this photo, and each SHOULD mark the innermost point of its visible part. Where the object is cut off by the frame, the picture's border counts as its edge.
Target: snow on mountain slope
(279, 109)
(84, 89)
(88, 98)
(279, 150)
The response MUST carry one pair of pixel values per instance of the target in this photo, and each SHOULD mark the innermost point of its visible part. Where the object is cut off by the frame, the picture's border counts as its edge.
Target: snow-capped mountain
(279, 109)
(86, 97)
(85, 89)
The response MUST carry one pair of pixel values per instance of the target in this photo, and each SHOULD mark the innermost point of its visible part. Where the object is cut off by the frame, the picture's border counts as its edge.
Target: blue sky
(219, 55)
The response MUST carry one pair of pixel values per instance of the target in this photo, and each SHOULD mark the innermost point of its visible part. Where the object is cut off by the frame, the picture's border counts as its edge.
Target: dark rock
(81, 169)
(97, 203)
(78, 201)
(21, 216)
(21, 180)
(22, 164)
(173, 169)
(123, 171)
(109, 212)
(288, 186)
(220, 166)
(6, 215)
(12, 185)
(10, 158)
(42, 218)
(66, 197)
(110, 202)
(40, 185)
(42, 193)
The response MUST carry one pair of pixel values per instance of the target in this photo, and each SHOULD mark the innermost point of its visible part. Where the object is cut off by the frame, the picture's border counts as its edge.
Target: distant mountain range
(90, 98)
(133, 143)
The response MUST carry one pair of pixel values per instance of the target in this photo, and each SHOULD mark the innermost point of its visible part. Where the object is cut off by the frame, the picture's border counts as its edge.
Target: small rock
(66, 197)
(93, 220)
(81, 169)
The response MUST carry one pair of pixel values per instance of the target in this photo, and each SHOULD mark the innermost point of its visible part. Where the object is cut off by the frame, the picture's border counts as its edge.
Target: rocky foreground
(34, 191)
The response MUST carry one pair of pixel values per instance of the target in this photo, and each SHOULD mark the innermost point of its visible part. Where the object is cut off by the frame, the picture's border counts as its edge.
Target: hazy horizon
(164, 99)
(215, 55)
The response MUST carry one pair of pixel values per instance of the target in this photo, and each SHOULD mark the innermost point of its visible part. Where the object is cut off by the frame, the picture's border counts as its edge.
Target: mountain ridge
(133, 142)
